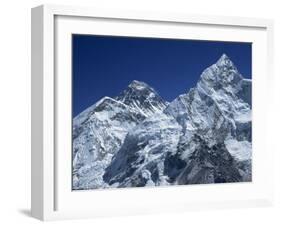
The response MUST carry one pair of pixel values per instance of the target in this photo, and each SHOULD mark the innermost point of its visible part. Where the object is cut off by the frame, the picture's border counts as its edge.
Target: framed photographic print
(137, 112)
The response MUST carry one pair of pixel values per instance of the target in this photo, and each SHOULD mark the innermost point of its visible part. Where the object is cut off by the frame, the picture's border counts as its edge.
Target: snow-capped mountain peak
(224, 61)
(138, 85)
(223, 74)
(142, 97)
(219, 105)
(136, 89)
(99, 131)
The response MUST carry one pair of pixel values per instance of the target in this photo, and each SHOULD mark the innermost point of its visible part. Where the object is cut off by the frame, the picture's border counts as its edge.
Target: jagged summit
(225, 61)
(139, 85)
(143, 97)
(139, 88)
(223, 58)
(222, 73)
(135, 88)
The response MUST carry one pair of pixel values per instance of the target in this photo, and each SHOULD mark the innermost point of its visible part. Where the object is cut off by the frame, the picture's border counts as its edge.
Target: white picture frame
(52, 197)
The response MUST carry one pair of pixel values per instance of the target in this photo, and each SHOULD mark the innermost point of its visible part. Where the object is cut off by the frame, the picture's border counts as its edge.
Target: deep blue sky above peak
(106, 65)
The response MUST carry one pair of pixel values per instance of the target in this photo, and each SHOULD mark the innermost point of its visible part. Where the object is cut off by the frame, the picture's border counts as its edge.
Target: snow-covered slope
(140, 161)
(99, 131)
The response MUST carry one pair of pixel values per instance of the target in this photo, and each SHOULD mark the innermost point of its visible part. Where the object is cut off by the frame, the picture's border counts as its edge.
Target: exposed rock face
(206, 164)
(138, 139)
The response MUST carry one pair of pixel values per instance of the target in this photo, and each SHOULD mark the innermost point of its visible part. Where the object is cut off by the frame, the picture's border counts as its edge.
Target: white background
(15, 111)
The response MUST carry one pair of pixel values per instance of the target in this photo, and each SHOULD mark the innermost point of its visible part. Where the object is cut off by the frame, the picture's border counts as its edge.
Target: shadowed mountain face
(138, 139)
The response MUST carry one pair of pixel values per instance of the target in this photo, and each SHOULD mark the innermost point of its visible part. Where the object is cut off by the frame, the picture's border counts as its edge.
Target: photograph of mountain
(160, 112)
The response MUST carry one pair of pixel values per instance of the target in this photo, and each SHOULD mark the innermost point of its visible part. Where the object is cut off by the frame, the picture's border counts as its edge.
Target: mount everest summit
(138, 139)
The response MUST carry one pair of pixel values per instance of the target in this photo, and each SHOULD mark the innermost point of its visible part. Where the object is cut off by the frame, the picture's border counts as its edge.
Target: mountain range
(138, 139)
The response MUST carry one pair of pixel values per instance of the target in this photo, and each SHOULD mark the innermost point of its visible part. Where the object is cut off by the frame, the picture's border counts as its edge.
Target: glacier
(138, 139)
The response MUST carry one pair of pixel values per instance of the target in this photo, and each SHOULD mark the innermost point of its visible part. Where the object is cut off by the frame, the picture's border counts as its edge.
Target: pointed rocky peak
(224, 61)
(136, 89)
(142, 97)
(138, 85)
(221, 74)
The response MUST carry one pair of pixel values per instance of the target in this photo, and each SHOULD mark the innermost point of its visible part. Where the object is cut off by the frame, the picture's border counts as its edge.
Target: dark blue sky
(105, 65)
